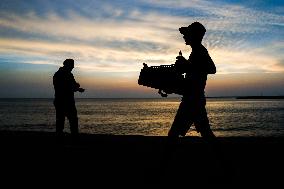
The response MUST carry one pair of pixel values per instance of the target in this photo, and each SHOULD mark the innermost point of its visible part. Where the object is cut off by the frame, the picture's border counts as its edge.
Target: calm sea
(228, 117)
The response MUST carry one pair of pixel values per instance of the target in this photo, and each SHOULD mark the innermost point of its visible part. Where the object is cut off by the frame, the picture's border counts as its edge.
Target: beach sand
(104, 161)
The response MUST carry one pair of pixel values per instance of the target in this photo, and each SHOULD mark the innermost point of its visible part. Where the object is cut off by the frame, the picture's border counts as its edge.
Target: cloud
(111, 39)
(76, 27)
(228, 61)
(125, 38)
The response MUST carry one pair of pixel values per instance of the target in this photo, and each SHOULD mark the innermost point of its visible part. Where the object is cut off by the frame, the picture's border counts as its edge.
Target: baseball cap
(195, 27)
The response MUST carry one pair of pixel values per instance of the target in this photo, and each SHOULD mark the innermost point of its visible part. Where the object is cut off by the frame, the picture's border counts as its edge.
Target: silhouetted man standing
(192, 107)
(64, 102)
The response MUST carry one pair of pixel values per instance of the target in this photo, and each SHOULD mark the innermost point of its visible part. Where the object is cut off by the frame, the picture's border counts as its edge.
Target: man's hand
(81, 90)
(180, 64)
(180, 60)
(162, 93)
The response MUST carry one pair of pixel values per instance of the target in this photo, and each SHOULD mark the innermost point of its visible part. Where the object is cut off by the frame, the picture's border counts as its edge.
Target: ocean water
(149, 117)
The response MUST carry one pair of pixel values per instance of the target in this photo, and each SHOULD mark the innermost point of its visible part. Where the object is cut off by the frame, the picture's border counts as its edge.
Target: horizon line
(236, 96)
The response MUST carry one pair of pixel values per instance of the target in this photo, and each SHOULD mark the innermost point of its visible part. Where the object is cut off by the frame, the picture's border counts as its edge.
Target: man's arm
(76, 86)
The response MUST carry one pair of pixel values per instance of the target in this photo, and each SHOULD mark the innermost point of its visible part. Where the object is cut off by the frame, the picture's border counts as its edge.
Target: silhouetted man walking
(192, 107)
(64, 102)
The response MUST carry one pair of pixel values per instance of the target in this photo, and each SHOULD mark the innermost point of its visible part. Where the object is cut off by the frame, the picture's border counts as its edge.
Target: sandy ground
(103, 161)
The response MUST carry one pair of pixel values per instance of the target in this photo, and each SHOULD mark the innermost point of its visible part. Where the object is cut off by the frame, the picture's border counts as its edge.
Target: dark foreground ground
(101, 161)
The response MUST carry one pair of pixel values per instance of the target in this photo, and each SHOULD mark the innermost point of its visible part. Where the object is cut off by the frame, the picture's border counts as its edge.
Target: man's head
(193, 34)
(68, 64)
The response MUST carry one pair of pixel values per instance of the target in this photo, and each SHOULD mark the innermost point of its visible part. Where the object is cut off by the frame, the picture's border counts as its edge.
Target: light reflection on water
(228, 117)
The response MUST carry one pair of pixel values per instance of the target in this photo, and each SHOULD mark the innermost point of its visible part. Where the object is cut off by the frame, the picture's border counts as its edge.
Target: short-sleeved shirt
(201, 65)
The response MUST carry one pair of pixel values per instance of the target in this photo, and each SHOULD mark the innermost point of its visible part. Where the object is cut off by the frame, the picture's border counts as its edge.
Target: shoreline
(149, 98)
(145, 160)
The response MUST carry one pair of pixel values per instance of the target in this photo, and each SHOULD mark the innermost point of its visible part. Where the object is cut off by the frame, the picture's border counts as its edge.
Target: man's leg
(201, 123)
(182, 121)
(60, 119)
(73, 120)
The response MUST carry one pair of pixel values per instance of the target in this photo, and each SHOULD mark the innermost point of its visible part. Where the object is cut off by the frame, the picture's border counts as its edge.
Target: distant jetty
(260, 97)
